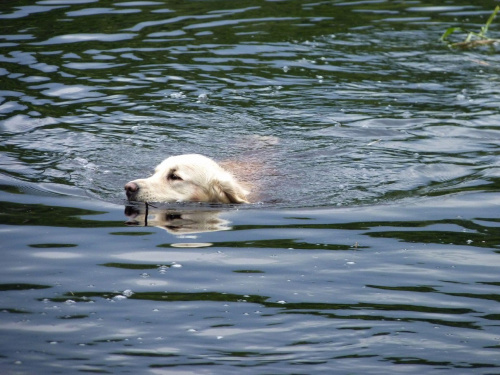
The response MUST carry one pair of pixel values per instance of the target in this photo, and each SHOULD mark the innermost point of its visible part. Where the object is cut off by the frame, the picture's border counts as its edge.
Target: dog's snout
(131, 189)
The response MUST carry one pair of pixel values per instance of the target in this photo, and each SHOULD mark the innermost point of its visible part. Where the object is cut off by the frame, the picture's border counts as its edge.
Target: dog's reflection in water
(176, 221)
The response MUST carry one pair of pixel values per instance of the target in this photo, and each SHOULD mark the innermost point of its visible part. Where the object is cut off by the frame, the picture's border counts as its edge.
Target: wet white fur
(192, 177)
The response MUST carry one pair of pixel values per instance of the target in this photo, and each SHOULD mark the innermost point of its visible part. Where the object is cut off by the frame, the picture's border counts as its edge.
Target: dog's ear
(229, 191)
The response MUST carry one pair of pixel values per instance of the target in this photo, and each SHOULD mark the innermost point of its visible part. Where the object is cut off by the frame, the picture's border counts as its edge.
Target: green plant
(473, 39)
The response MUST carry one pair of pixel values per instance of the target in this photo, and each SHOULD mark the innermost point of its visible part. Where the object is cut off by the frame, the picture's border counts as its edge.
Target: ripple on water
(374, 146)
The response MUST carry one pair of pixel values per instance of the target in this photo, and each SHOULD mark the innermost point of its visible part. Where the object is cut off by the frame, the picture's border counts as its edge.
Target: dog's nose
(131, 189)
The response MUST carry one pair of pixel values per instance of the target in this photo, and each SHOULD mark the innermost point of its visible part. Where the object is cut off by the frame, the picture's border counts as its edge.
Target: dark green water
(373, 249)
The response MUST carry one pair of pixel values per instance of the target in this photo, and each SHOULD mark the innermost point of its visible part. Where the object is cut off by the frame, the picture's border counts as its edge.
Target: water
(374, 244)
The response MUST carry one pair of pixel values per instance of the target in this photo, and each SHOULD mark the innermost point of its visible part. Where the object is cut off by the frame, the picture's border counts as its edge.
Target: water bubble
(202, 98)
(81, 161)
(145, 275)
(127, 293)
(281, 302)
(177, 95)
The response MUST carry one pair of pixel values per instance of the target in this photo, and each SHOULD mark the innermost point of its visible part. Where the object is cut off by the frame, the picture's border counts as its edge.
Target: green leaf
(484, 29)
(450, 31)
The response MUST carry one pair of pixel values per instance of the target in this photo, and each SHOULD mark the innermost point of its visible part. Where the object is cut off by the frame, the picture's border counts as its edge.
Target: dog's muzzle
(131, 189)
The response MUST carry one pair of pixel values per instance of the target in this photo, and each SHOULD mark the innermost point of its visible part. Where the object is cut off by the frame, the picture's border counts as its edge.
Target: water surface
(374, 244)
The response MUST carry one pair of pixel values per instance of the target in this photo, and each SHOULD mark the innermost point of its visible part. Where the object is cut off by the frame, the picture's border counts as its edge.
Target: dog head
(187, 178)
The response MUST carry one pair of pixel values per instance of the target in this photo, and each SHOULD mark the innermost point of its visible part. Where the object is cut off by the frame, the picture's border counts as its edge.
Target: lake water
(374, 247)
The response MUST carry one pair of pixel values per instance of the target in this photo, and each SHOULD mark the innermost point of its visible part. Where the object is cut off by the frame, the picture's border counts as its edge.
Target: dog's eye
(172, 176)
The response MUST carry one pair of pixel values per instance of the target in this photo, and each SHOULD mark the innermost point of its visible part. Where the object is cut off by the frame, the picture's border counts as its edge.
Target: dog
(188, 178)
